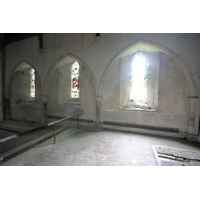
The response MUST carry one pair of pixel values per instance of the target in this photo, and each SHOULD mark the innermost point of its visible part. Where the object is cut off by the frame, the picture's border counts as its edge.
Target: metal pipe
(54, 133)
(73, 119)
(58, 121)
(8, 138)
(156, 128)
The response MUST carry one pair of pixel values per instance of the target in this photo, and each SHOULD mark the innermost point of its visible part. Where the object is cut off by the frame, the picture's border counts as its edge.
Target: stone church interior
(99, 99)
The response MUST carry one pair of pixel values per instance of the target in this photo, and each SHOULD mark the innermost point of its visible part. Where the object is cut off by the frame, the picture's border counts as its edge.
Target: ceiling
(9, 38)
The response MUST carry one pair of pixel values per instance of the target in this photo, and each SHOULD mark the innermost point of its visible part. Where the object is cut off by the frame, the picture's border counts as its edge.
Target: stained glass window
(75, 80)
(32, 71)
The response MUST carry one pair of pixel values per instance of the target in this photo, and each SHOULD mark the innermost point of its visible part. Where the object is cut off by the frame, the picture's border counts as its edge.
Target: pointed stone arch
(67, 58)
(183, 67)
(11, 76)
(22, 64)
(64, 60)
(18, 66)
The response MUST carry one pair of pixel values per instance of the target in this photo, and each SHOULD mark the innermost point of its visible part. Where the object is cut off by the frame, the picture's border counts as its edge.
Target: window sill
(73, 101)
(138, 107)
(30, 100)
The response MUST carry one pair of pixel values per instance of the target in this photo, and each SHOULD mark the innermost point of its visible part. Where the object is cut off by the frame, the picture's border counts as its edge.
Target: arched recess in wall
(182, 66)
(57, 86)
(19, 93)
(65, 60)
(23, 64)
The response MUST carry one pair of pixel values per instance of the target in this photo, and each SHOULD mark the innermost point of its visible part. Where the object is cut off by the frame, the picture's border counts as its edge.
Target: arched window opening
(32, 88)
(138, 83)
(75, 80)
(141, 90)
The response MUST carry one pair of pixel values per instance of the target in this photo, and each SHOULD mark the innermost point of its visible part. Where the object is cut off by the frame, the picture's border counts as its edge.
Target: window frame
(132, 59)
(74, 98)
(73, 101)
(31, 83)
(130, 106)
(31, 100)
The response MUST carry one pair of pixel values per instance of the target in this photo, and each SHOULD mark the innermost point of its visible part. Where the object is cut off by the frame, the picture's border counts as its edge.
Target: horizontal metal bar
(72, 119)
(8, 138)
(82, 120)
(156, 128)
(58, 121)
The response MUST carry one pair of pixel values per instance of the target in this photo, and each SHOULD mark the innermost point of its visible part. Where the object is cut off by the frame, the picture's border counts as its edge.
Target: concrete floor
(97, 148)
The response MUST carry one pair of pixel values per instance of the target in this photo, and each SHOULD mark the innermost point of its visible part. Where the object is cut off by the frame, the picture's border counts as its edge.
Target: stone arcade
(46, 77)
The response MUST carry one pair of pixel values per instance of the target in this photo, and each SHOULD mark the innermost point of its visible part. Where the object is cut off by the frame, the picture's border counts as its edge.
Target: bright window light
(75, 80)
(32, 89)
(138, 78)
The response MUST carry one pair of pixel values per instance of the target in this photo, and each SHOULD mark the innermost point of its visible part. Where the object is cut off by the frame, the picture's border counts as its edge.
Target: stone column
(193, 118)
(98, 111)
(44, 99)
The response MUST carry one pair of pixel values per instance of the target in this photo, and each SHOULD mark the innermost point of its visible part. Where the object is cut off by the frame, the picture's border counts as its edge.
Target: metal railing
(63, 119)
(49, 124)
(6, 140)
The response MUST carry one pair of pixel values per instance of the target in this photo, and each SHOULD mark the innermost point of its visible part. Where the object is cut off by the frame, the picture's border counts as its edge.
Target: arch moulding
(11, 76)
(183, 67)
(56, 65)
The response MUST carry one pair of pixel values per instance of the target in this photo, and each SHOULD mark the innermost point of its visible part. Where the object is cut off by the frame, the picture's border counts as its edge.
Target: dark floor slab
(22, 139)
(19, 126)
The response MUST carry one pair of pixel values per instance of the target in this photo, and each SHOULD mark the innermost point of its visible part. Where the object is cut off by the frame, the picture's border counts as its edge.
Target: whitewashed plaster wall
(98, 54)
(20, 92)
(86, 48)
(172, 111)
(59, 93)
